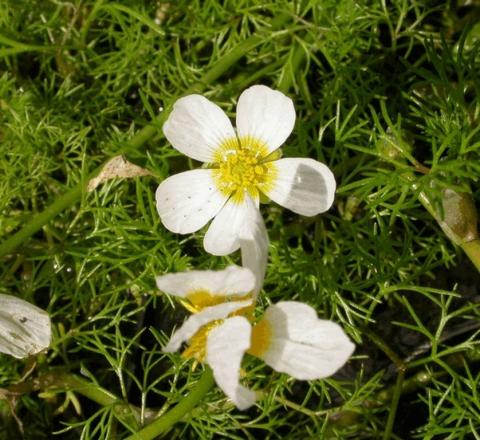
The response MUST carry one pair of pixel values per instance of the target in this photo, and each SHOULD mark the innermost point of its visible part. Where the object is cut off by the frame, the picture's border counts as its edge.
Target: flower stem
(296, 59)
(387, 434)
(39, 220)
(55, 381)
(472, 249)
(58, 382)
(85, 388)
(380, 343)
(165, 422)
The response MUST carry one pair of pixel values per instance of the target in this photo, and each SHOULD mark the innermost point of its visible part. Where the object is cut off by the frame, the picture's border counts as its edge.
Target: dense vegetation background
(386, 93)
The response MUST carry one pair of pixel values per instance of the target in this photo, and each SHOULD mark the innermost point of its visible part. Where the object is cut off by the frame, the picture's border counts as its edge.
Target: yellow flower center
(195, 302)
(197, 345)
(261, 337)
(243, 168)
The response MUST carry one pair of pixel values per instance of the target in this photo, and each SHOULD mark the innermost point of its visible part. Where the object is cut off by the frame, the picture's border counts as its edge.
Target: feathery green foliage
(386, 93)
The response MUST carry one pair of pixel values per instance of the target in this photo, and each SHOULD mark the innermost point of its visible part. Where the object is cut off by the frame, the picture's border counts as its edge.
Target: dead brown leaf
(116, 167)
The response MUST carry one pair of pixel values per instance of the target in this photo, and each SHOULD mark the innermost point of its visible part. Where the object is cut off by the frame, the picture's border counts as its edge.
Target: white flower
(211, 296)
(24, 328)
(290, 337)
(242, 164)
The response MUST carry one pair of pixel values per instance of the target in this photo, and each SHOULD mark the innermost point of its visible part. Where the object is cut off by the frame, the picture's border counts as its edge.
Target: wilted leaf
(118, 166)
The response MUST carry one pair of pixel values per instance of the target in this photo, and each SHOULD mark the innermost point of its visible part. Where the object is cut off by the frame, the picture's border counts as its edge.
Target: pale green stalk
(165, 422)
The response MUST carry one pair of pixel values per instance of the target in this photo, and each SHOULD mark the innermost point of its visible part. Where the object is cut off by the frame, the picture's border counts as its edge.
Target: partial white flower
(211, 295)
(240, 167)
(226, 345)
(205, 288)
(195, 322)
(25, 329)
(293, 340)
(290, 338)
(254, 242)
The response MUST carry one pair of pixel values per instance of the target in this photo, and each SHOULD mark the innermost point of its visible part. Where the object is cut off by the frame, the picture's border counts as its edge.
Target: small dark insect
(23, 320)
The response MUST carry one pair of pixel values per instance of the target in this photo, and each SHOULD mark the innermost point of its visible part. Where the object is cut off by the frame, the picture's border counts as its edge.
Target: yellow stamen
(195, 302)
(243, 168)
(261, 337)
(197, 345)
(248, 312)
(199, 299)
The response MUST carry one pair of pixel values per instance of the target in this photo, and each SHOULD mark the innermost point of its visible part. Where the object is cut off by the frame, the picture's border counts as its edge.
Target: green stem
(88, 21)
(228, 60)
(74, 194)
(85, 388)
(380, 343)
(56, 382)
(394, 405)
(297, 57)
(65, 382)
(16, 47)
(235, 54)
(472, 249)
(39, 220)
(165, 422)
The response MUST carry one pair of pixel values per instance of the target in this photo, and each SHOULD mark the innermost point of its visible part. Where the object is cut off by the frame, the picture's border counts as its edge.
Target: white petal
(197, 321)
(197, 126)
(226, 345)
(254, 244)
(231, 281)
(266, 115)
(24, 328)
(187, 201)
(304, 186)
(302, 345)
(222, 237)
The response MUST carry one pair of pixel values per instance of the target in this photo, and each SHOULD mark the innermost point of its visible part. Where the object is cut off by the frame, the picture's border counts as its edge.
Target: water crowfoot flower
(25, 329)
(241, 164)
(290, 337)
(211, 296)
